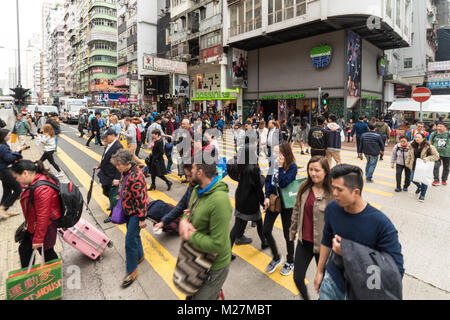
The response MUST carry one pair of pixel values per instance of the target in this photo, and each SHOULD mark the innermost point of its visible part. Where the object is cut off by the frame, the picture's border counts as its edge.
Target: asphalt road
(423, 232)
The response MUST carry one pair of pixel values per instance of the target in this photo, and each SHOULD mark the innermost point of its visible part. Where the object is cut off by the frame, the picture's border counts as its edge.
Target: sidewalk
(8, 247)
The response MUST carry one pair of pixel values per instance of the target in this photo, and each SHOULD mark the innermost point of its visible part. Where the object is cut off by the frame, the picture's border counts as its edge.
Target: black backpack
(2, 124)
(71, 201)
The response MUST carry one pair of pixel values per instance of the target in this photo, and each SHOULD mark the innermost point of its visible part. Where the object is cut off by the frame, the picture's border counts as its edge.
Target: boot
(152, 187)
(169, 185)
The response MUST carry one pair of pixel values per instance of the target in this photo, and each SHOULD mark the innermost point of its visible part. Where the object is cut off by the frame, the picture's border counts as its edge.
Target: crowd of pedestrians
(328, 208)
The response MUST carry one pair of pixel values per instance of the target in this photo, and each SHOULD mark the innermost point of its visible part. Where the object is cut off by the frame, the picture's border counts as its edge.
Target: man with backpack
(383, 130)
(441, 141)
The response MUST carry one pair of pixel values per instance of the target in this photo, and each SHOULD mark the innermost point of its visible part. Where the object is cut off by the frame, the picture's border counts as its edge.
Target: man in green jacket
(209, 229)
(21, 128)
(441, 141)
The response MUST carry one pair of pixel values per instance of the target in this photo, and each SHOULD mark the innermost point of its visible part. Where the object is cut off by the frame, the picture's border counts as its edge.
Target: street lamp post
(18, 43)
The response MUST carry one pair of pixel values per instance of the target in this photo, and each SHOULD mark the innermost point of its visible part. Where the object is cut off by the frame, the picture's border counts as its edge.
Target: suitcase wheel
(74, 243)
(110, 244)
(100, 258)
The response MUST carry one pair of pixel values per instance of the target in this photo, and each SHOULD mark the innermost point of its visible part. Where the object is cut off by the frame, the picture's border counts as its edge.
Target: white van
(46, 109)
(70, 109)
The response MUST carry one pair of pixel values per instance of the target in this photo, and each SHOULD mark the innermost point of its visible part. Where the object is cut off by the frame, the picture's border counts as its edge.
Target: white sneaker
(60, 175)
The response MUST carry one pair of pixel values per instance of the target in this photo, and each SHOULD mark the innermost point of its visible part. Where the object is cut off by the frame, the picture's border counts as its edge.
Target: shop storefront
(285, 78)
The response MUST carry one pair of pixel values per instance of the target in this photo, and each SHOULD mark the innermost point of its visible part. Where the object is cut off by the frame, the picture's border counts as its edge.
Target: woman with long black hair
(39, 231)
(308, 218)
(249, 194)
(11, 188)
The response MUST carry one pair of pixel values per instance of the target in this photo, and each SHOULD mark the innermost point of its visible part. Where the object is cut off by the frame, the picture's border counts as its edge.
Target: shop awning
(438, 104)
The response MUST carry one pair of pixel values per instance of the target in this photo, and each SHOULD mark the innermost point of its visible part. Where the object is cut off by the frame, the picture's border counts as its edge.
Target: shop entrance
(270, 106)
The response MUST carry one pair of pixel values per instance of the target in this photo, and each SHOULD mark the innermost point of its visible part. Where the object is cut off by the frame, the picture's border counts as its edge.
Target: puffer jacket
(45, 206)
(399, 155)
(429, 154)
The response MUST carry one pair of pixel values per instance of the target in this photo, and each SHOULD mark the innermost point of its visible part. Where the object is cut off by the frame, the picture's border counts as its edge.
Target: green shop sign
(213, 95)
(283, 96)
(369, 97)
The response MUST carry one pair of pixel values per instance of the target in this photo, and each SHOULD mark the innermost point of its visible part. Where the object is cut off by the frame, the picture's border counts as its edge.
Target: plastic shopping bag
(424, 172)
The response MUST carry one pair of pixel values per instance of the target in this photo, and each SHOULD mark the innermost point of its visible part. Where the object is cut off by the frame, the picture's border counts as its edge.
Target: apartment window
(389, 8)
(300, 7)
(408, 63)
(202, 13)
(177, 2)
(288, 9)
(248, 15)
(257, 13)
(398, 15)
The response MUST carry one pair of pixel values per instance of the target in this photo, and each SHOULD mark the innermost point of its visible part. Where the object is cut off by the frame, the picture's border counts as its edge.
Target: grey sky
(30, 15)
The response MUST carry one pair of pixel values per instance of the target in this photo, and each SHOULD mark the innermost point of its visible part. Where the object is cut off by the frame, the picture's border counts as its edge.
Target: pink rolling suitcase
(86, 238)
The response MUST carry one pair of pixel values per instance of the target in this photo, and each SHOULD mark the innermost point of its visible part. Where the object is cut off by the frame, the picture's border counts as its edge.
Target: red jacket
(45, 206)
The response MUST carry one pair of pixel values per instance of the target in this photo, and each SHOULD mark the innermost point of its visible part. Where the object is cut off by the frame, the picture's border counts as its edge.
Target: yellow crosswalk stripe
(155, 254)
(166, 266)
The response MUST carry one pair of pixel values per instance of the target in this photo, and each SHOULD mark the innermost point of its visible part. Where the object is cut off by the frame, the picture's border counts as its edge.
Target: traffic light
(324, 99)
(20, 95)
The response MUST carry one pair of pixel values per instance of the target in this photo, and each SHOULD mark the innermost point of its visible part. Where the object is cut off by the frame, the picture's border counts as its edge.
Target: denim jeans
(437, 166)
(169, 162)
(423, 187)
(329, 290)
(371, 165)
(133, 244)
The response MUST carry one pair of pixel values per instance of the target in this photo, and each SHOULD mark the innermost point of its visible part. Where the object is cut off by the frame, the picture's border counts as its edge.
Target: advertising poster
(353, 65)
(239, 67)
(150, 85)
(181, 85)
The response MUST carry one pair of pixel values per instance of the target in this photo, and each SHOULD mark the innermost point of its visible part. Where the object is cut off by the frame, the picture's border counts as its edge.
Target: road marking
(159, 258)
(256, 255)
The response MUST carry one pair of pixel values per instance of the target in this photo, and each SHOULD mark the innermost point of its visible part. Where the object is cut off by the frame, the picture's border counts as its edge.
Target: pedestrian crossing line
(155, 254)
(158, 195)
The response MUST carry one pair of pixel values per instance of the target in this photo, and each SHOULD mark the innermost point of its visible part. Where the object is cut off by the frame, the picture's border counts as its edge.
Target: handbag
(289, 193)
(275, 202)
(36, 282)
(123, 142)
(423, 172)
(192, 267)
(117, 214)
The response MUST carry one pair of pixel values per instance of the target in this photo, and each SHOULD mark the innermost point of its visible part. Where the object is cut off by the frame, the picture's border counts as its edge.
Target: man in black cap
(109, 176)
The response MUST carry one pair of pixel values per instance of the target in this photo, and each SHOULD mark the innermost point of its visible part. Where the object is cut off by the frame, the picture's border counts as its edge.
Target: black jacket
(369, 274)
(249, 194)
(318, 138)
(157, 165)
(94, 125)
(108, 171)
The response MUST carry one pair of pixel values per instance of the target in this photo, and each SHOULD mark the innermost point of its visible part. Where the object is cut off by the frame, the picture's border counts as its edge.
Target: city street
(423, 233)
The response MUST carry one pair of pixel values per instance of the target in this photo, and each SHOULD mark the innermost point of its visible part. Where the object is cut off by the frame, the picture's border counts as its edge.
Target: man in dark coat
(156, 160)
(109, 176)
(95, 129)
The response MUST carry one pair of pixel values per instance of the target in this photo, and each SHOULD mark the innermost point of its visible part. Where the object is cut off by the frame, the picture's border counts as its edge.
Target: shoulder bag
(275, 202)
(192, 267)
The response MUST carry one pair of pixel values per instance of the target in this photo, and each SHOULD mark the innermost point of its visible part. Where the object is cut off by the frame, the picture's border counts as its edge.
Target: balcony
(132, 56)
(178, 36)
(111, 64)
(102, 16)
(97, 3)
(132, 40)
(101, 52)
(122, 28)
(211, 23)
(293, 20)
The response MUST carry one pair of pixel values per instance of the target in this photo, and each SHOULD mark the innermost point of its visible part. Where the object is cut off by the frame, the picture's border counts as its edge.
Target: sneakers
(287, 269)
(243, 240)
(444, 183)
(273, 265)
(61, 174)
(264, 245)
(436, 183)
(421, 199)
(405, 189)
(398, 190)
(418, 190)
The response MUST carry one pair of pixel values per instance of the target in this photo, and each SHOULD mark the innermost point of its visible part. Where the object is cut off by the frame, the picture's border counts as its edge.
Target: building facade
(407, 67)
(284, 54)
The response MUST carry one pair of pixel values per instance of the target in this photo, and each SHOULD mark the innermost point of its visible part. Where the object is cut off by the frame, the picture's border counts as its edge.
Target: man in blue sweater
(372, 145)
(359, 128)
(352, 218)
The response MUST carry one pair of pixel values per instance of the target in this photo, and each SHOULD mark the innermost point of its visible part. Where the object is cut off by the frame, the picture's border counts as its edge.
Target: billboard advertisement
(239, 69)
(353, 65)
(181, 86)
